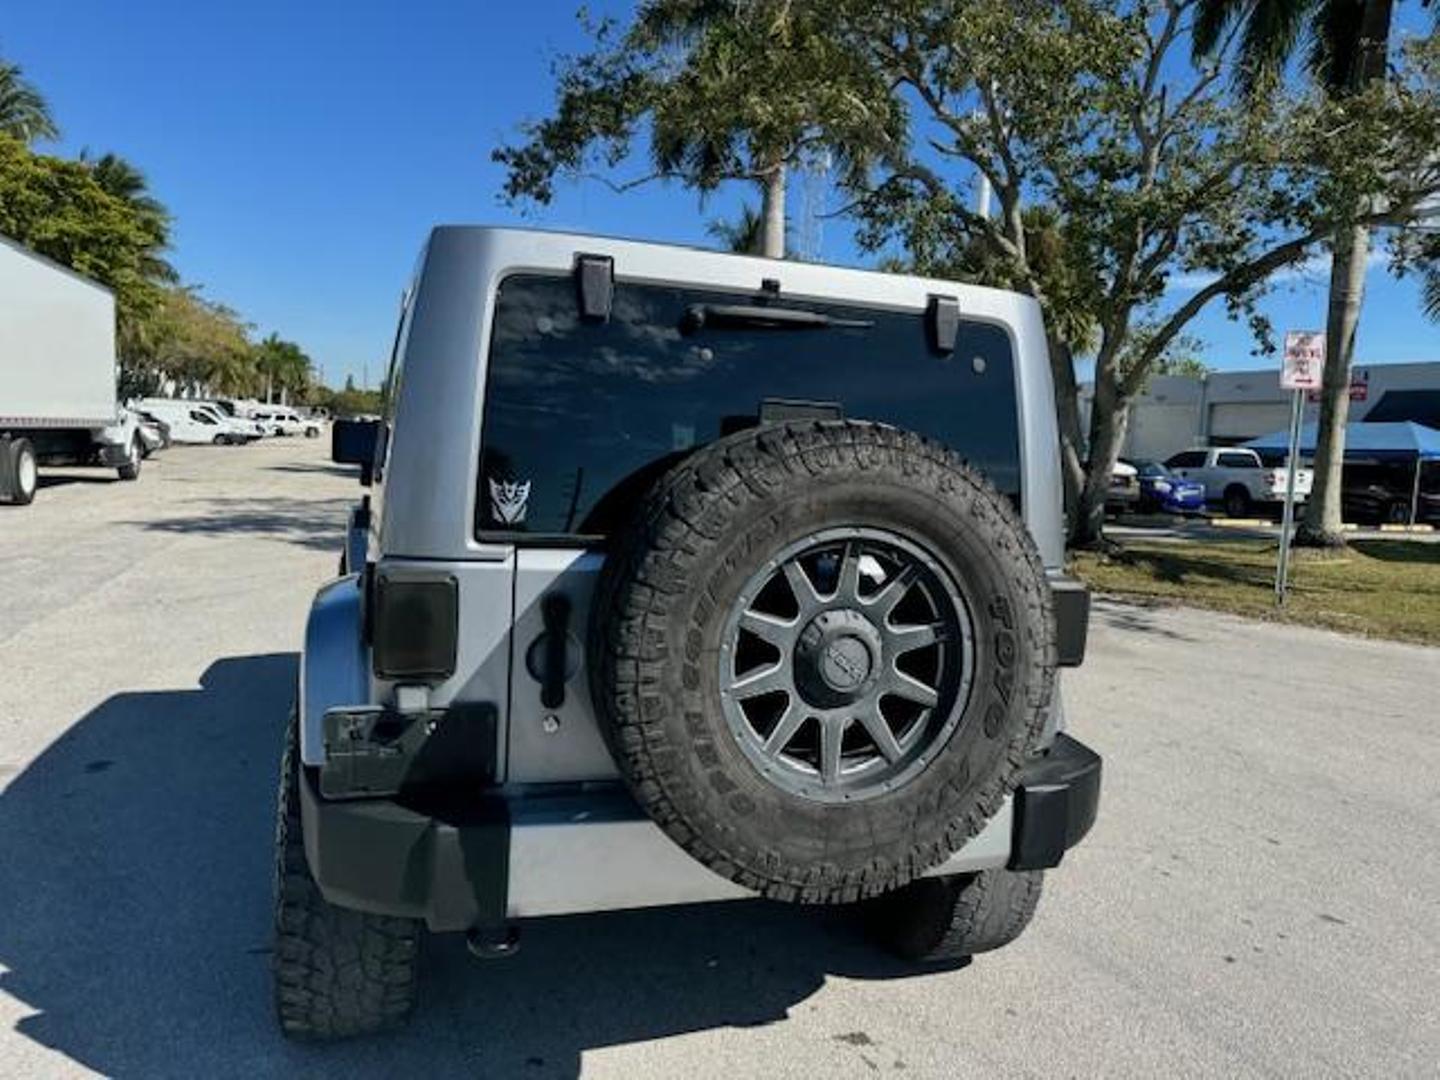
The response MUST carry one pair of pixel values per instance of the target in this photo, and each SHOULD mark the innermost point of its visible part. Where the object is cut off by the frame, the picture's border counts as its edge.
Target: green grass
(1379, 588)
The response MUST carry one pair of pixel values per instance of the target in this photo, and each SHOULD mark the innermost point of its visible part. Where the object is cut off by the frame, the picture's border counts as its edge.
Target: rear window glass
(1189, 459)
(1235, 461)
(580, 417)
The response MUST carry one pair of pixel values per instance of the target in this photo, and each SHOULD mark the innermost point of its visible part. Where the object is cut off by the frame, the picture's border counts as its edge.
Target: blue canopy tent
(1401, 441)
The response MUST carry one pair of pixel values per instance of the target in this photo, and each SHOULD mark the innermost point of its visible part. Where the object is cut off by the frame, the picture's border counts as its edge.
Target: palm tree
(1349, 44)
(121, 180)
(743, 236)
(24, 113)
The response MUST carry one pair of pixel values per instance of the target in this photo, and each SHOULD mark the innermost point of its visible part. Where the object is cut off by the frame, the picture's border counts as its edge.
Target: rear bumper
(498, 859)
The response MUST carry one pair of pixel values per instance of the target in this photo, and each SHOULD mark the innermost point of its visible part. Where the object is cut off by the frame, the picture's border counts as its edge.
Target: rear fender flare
(335, 664)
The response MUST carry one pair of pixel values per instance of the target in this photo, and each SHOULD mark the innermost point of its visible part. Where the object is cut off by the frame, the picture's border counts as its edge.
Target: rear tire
(131, 469)
(1237, 501)
(19, 473)
(952, 918)
(337, 972)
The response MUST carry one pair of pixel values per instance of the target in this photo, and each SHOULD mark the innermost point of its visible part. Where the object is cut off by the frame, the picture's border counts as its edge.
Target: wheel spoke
(909, 638)
(785, 728)
(770, 628)
(847, 582)
(889, 595)
(832, 738)
(765, 680)
(801, 586)
(880, 731)
(911, 689)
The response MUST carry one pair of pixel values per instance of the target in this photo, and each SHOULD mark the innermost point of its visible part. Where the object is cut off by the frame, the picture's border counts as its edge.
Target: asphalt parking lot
(1260, 896)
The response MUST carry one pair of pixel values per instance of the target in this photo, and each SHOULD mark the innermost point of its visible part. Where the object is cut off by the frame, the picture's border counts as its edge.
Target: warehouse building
(1225, 408)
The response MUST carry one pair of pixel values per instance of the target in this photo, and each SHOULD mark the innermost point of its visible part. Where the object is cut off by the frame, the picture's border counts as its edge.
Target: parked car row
(1148, 487)
(222, 422)
(1245, 484)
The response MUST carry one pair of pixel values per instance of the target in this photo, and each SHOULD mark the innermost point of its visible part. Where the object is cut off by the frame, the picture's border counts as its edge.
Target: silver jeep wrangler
(682, 576)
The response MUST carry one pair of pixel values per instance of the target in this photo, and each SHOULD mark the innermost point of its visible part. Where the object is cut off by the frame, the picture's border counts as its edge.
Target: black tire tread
(690, 507)
(952, 918)
(338, 972)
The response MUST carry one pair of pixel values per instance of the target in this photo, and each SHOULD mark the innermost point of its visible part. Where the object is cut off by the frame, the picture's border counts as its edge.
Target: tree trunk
(1321, 525)
(1067, 414)
(773, 212)
(1109, 415)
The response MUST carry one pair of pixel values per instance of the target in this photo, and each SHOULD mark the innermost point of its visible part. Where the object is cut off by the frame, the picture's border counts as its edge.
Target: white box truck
(57, 375)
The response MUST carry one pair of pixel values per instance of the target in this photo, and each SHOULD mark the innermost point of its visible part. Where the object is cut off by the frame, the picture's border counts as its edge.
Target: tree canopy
(59, 209)
(716, 90)
(1146, 167)
(1120, 167)
(24, 113)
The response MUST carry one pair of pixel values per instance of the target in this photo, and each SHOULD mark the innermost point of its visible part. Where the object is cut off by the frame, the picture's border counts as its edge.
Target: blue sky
(306, 148)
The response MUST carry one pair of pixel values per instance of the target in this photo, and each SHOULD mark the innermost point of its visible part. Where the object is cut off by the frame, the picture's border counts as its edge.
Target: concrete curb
(1252, 523)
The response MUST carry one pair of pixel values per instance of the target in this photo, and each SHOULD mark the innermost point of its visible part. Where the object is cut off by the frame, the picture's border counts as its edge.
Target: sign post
(1300, 370)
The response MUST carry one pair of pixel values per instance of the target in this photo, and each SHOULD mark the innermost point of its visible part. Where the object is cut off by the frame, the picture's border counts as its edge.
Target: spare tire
(823, 652)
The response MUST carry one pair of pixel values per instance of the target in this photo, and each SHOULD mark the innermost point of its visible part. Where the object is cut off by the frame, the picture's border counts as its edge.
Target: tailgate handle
(555, 610)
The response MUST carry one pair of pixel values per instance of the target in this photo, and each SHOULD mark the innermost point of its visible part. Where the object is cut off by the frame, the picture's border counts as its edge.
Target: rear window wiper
(763, 317)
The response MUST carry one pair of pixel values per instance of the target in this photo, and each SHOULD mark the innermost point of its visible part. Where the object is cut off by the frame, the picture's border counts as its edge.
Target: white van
(198, 421)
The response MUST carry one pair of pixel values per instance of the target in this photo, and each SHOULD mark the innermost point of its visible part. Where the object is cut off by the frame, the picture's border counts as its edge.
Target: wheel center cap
(845, 663)
(836, 657)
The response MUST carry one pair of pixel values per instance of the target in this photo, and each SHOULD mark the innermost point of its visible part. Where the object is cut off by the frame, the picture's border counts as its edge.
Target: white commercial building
(1224, 408)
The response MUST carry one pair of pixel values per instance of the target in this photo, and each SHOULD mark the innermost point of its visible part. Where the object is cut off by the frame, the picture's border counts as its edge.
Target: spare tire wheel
(824, 650)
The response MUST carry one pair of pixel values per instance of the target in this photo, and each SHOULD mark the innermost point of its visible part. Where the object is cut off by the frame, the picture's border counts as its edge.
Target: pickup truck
(1238, 479)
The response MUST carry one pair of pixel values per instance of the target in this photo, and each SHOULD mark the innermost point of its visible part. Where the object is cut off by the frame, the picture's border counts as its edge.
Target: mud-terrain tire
(670, 591)
(338, 972)
(951, 918)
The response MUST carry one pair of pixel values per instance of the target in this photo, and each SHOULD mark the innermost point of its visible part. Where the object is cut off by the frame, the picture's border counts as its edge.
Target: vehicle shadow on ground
(1135, 616)
(44, 481)
(351, 472)
(137, 900)
(317, 524)
(1408, 551)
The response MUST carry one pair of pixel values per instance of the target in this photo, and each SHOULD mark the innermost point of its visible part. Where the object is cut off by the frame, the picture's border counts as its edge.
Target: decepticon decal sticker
(508, 501)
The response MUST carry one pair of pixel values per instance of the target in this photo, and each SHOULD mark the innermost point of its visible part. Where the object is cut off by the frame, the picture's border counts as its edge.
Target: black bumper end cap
(1055, 804)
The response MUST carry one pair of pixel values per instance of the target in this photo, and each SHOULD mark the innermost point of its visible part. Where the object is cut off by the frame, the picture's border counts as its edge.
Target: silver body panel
(424, 513)
(563, 865)
(563, 743)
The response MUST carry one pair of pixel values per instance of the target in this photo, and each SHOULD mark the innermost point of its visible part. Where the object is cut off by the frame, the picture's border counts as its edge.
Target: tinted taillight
(414, 626)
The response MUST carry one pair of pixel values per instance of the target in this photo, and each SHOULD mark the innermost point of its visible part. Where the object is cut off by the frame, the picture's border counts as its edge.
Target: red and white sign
(1359, 388)
(1304, 360)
